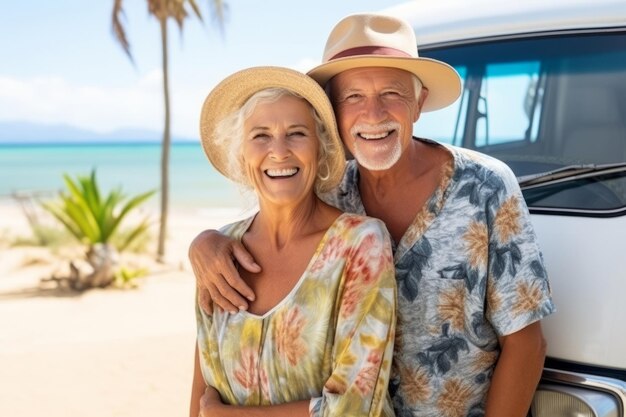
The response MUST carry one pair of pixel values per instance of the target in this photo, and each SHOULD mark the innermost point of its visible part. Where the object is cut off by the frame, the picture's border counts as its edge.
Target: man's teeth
(371, 136)
(284, 172)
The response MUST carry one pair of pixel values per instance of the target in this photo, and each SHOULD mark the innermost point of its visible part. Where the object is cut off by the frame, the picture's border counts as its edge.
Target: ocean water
(194, 183)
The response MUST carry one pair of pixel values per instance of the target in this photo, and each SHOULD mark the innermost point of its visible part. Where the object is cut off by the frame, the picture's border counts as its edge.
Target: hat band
(371, 50)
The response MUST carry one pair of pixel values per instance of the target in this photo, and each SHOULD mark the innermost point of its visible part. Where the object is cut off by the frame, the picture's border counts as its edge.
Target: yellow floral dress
(329, 340)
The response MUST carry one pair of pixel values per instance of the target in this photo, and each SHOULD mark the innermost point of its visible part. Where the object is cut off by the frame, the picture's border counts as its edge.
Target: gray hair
(417, 86)
(229, 136)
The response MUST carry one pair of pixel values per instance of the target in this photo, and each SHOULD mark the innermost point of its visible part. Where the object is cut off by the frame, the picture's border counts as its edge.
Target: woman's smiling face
(280, 150)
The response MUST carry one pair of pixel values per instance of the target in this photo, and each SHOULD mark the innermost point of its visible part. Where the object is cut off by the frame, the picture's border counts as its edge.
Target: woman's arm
(206, 402)
(212, 256)
(212, 406)
(197, 387)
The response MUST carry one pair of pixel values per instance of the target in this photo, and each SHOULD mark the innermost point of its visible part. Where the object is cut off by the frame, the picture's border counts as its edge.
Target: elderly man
(472, 287)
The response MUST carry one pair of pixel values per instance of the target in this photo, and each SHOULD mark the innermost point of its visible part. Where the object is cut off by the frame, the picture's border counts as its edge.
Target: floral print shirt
(329, 340)
(469, 270)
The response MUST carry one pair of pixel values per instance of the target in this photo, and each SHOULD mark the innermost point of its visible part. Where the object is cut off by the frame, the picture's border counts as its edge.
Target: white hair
(229, 136)
(417, 86)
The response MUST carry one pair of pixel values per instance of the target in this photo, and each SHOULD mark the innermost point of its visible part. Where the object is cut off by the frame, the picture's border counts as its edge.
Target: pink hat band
(370, 50)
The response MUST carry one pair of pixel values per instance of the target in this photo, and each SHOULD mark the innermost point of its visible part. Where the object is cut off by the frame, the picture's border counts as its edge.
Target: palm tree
(162, 10)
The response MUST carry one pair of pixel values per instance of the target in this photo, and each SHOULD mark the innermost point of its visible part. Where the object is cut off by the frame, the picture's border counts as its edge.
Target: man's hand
(214, 258)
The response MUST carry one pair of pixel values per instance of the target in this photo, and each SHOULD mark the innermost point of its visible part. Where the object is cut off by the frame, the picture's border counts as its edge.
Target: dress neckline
(318, 250)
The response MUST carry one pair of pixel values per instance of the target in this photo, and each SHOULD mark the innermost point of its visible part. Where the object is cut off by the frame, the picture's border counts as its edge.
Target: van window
(542, 104)
(506, 103)
(443, 125)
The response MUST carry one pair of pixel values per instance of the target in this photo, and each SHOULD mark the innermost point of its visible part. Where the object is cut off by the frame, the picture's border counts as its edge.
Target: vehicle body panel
(590, 297)
(459, 20)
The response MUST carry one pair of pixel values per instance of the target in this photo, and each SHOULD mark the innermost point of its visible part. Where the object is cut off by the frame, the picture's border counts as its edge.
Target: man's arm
(213, 256)
(517, 372)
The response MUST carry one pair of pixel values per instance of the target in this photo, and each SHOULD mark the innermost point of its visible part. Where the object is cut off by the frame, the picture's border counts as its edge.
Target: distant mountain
(25, 132)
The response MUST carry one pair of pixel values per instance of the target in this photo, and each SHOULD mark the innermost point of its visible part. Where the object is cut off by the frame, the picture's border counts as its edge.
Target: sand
(105, 352)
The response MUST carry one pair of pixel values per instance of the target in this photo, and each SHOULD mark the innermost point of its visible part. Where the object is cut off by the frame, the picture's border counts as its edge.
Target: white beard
(378, 161)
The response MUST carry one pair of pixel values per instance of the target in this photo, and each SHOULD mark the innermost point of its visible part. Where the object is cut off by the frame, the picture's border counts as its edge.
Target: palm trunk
(165, 147)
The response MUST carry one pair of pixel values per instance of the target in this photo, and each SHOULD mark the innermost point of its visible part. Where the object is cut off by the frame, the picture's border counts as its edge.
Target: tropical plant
(126, 277)
(162, 10)
(94, 220)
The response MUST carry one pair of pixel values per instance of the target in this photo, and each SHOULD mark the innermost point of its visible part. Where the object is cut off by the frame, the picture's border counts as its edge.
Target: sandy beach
(105, 352)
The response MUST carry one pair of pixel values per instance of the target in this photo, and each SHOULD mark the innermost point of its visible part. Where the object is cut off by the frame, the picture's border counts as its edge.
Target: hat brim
(233, 92)
(441, 80)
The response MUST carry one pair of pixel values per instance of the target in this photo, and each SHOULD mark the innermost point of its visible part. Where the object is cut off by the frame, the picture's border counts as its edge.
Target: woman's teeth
(284, 172)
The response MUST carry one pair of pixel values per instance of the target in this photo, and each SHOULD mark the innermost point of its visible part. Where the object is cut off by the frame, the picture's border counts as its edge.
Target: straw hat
(372, 40)
(232, 93)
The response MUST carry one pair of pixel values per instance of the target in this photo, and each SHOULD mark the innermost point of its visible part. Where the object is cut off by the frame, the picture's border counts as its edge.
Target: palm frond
(219, 9)
(57, 212)
(118, 28)
(134, 234)
(130, 205)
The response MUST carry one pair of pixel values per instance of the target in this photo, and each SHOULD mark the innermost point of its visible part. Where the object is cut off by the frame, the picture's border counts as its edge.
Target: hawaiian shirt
(330, 340)
(469, 270)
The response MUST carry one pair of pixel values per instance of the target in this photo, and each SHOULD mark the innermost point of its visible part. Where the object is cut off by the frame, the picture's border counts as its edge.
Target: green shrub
(95, 220)
(92, 218)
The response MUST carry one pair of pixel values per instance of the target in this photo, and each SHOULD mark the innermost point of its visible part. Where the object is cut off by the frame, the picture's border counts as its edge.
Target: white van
(544, 90)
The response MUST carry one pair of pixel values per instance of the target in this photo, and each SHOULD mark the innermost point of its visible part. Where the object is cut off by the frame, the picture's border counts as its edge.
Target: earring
(324, 167)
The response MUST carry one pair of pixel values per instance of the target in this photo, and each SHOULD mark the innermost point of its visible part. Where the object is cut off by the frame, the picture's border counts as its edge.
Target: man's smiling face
(376, 108)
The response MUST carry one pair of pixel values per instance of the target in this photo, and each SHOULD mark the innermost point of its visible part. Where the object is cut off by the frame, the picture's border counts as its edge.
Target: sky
(60, 63)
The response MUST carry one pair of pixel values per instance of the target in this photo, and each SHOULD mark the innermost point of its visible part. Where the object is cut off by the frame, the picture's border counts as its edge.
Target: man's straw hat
(232, 93)
(373, 40)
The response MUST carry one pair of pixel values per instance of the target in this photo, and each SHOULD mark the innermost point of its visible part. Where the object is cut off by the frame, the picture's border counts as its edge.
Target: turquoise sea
(135, 167)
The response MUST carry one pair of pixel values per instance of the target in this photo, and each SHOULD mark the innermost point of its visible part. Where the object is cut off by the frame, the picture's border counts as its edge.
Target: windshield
(539, 105)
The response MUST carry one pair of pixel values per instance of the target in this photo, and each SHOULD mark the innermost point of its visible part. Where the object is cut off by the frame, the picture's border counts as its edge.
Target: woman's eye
(260, 136)
(297, 133)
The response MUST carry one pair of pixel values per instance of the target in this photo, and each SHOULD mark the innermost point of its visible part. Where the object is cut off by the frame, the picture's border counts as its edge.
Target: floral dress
(329, 340)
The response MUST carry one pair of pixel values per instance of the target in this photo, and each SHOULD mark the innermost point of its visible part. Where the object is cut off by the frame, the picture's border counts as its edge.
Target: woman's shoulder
(237, 228)
(360, 224)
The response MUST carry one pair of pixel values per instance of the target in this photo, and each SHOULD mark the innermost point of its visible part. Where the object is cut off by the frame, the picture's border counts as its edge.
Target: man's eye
(352, 97)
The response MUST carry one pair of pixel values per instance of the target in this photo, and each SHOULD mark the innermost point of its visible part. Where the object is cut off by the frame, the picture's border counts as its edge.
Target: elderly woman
(318, 338)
